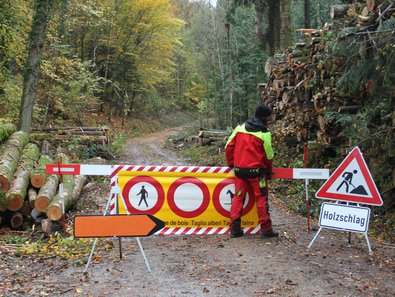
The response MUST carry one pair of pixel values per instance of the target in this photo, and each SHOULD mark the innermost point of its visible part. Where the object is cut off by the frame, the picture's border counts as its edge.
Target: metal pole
(143, 253)
(305, 162)
(307, 205)
(318, 232)
(368, 242)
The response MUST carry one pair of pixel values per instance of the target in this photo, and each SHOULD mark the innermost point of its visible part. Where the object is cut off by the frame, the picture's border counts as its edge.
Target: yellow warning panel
(183, 199)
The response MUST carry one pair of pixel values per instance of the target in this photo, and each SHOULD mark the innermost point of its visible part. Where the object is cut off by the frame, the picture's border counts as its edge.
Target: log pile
(301, 85)
(26, 192)
(99, 135)
(212, 137)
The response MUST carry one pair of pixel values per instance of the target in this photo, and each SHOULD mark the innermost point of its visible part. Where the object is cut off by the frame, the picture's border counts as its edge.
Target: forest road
(216, 265)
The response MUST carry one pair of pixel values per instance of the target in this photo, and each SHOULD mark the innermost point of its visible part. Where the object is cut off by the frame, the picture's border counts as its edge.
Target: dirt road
(221, 266)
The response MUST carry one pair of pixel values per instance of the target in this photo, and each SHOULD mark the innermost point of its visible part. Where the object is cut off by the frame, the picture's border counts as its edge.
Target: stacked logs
(99, 135)
(212, 137)
(302, 81)
(26, 191)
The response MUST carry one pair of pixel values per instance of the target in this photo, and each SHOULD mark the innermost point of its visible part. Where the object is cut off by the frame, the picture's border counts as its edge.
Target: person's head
(263, 112)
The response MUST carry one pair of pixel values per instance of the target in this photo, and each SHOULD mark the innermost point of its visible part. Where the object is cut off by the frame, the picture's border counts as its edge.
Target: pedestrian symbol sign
(352, 182)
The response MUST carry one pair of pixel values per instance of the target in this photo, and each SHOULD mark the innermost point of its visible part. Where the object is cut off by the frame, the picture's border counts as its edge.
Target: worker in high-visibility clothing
(249, 151)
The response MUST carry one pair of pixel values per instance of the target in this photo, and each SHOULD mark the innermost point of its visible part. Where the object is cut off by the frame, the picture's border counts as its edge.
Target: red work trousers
(242, 186)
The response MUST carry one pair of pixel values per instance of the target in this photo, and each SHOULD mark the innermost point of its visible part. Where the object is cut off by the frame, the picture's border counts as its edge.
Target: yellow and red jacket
(250, 146)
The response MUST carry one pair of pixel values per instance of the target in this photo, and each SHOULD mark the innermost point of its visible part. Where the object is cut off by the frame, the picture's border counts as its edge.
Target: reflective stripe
(266, 137)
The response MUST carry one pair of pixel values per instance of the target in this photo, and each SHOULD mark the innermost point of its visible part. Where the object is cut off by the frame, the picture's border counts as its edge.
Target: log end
(54, 212)
(4, 183)
(16, 220)
(37, 180)
(46, 226)
(41, 203)
(14, 202)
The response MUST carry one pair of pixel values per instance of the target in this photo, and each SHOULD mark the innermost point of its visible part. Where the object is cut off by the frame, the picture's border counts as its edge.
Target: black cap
(263, 111)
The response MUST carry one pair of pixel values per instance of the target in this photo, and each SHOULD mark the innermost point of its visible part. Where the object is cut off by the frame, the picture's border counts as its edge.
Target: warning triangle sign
(352, 182)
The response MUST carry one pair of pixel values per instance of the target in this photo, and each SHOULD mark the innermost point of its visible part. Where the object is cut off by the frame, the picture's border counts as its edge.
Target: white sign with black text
(344, 217)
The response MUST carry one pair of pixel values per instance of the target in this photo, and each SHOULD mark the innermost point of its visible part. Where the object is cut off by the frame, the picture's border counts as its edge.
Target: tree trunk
(38, 176)
(271, 40)
(17, 193)
(287, 23)
(307, 19)
(43, 11)
(10, 157)
(260, 11)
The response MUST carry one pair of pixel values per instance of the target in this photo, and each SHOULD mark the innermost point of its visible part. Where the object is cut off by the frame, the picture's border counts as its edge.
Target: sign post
(351, 182)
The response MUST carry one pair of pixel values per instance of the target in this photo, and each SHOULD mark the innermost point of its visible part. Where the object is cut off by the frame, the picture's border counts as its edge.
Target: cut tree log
(17, 192)
(48, 190)
(32, 195)
(26, 210)
(73, 128)
(6, 130)
(47, 226)
(72, 190)
(16, 220)
(213, 133)
(370, 4)
(38, 176)
(339, 11)
(10, 157)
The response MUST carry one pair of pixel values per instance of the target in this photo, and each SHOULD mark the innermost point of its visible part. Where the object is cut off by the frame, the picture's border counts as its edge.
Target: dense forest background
(104, 62)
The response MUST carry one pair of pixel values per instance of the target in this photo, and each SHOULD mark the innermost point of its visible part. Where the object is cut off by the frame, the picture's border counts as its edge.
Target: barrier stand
(343, 225)
(115, 190)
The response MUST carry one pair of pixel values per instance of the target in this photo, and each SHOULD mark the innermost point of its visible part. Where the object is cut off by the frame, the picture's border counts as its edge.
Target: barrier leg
(143, 253)
(316, 235)
(368, 242)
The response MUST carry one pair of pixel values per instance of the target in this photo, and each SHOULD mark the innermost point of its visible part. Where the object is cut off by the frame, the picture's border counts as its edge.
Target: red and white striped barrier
(112, 171)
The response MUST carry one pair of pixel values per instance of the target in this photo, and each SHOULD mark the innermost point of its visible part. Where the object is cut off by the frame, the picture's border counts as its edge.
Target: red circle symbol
(218, 192)
(181, 184)
(143, 179)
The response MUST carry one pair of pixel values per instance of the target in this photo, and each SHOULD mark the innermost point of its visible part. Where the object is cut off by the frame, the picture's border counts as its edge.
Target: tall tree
(274, 30)
(42, 16)
(286, 23)
(307, 18)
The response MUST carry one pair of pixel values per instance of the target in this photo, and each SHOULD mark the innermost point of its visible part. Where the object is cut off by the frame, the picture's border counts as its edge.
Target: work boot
(269, 234)
(235, 229)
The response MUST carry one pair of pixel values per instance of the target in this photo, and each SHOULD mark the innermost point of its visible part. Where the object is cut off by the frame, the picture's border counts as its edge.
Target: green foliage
(14, 239)
(10, 98)
(117, 143)
(6, 130)
(71, 87)
(60, 246)
(383, 226)
(205, 155)
(350, 82)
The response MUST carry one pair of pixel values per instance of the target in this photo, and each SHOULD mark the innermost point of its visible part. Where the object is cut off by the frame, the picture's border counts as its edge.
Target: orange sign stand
(116, 225)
